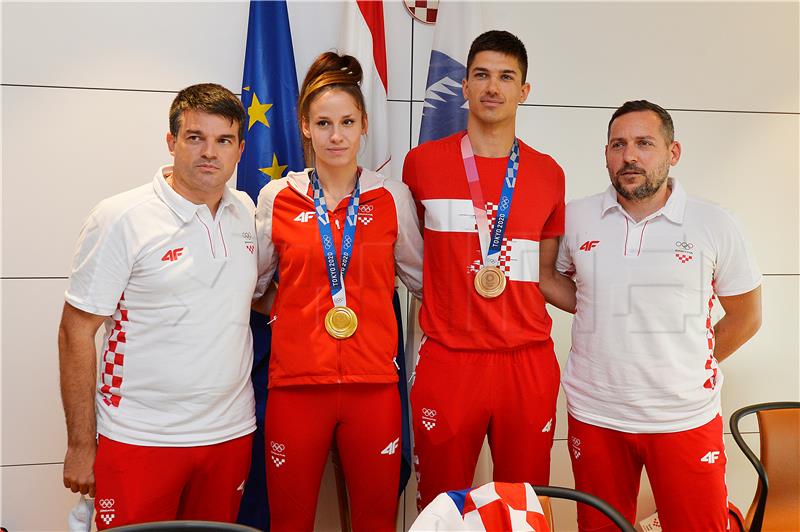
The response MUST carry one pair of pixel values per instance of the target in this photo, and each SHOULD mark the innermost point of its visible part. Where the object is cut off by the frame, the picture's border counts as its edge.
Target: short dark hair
(503, 42)
(634, 106)
(209, 98)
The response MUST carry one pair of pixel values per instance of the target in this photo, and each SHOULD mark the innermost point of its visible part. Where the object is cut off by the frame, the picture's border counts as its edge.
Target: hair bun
(351, 65)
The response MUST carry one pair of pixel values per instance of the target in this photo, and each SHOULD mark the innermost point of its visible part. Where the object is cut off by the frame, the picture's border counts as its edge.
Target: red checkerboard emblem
(504, 261)
(423, 10)
(114, 357)
(683, 258)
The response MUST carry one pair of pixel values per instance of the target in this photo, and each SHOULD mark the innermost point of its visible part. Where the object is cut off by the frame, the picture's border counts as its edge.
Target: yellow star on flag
(258, 112)
(276, 170)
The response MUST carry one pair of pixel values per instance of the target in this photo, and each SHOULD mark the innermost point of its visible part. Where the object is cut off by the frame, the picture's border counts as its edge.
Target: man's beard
(645, 190)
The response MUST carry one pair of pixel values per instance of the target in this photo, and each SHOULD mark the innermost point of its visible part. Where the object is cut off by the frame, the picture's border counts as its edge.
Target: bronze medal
(490, 282)
(341, 322)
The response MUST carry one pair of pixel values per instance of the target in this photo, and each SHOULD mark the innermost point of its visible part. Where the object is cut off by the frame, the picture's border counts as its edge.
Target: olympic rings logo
(428, 412)
(326, 240)
(106, 503)
(504, 203)
(277, 447)
(348, 241)
(365, 208)
(247, 236)
(684, 245)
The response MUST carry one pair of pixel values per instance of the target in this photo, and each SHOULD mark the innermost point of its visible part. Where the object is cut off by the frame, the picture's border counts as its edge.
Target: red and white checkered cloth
(495, 506)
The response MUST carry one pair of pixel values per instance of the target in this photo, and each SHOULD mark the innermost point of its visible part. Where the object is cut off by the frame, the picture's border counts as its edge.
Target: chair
(183, 526)
(776, 505)
(547, 509)
(555, 492)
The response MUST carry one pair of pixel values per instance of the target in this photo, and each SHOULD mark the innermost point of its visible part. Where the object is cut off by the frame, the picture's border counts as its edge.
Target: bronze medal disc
(341, 322)
(490, 282)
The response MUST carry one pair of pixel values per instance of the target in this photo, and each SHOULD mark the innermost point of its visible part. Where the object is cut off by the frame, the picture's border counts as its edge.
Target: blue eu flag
(269, 93)
(272, 146)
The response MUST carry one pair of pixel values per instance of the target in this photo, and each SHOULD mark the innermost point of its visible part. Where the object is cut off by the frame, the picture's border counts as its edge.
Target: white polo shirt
(642, 338)
(176, 284)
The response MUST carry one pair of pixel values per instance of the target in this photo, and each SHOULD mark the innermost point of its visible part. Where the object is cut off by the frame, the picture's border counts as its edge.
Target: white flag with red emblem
(364, 37)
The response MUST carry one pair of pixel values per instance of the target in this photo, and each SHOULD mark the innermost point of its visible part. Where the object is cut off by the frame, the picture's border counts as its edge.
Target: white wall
(86, 90)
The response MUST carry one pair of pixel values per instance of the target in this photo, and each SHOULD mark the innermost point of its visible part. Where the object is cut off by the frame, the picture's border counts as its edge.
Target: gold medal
(341, 322)
(490, 282)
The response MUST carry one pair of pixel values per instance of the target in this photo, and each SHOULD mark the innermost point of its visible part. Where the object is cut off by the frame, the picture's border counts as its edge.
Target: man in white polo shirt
(170, 269)
(642, 380)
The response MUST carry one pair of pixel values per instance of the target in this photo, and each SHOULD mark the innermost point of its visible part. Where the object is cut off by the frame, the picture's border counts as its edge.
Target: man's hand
(263, 305)
(79, 468)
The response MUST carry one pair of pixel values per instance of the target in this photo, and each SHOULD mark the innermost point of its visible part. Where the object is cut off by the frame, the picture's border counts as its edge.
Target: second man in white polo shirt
(642, 380)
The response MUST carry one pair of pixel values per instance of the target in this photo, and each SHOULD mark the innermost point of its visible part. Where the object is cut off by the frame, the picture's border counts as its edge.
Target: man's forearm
(558, 290)
(731, 333)
(77, 361)
(741, 321)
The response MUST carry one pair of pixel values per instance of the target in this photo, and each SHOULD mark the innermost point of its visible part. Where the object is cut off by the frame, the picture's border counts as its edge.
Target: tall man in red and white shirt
(169, 268)
(642, 380)
(487, 364)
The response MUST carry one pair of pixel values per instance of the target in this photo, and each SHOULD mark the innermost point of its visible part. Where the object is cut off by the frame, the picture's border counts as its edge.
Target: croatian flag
(445, 109)
(364, 37)
(493, 506)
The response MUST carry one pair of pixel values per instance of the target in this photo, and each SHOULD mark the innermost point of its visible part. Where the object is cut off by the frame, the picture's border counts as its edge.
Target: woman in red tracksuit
(338, 234)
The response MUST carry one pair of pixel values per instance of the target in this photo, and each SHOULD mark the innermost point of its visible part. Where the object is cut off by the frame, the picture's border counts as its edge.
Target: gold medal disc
(341, 322)
(490, 282)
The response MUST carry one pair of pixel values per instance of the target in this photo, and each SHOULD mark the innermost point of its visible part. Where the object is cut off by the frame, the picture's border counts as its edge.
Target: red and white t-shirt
(642, 357)
(387, 242)
(453, 313)
(176, 284)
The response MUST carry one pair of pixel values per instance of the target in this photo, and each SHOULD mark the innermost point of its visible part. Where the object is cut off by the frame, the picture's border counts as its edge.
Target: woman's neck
(337, 182)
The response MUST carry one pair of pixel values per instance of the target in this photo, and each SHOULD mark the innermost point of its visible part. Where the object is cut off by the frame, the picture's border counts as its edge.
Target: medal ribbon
(490, 244)
(336, 272)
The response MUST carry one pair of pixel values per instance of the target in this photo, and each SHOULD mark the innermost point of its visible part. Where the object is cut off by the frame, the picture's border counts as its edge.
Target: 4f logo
(304, 216)
(172, 255)
(392, 447)
(710, 457)
(588, 245)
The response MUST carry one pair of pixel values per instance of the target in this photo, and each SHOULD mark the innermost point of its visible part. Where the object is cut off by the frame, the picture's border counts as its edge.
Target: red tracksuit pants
(686, 470)
(301, 425)
(461, 396)
(140, 484)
